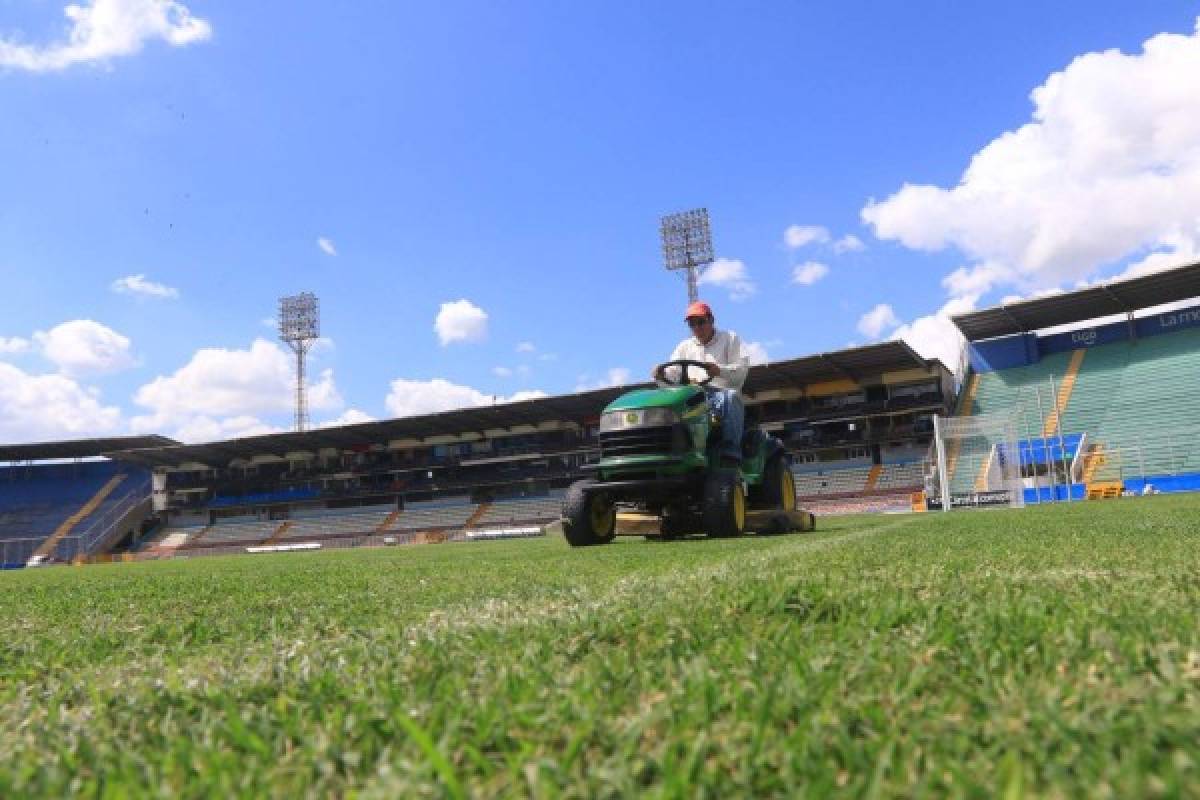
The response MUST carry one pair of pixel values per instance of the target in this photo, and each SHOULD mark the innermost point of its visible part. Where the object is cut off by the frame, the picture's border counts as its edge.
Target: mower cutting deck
(764, 523)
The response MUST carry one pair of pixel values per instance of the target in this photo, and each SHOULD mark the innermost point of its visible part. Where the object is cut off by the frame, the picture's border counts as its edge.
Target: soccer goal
(976, 462)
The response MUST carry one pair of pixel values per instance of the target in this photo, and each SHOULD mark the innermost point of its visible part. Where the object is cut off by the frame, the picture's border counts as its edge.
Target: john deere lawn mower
(660, 461)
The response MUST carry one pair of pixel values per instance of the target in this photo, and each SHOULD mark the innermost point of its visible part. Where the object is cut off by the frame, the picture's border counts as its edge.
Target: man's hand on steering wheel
(684, 376)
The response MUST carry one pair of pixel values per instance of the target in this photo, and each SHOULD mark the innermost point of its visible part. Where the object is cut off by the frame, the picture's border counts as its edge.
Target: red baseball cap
(698, 309)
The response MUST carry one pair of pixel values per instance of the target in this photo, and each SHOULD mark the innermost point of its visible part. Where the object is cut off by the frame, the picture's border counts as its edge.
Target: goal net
(976, 462)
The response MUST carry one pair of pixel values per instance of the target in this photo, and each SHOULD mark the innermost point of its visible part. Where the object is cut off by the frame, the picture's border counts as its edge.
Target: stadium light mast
(299, 327)
(687, 246)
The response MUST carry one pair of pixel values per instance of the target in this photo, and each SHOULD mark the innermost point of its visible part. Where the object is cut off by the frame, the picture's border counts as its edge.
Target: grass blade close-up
(1049, 651)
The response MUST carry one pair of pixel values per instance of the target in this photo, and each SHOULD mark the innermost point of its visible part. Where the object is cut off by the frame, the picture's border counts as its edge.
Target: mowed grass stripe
(1047, 651)
(122, 607)
(611, 577)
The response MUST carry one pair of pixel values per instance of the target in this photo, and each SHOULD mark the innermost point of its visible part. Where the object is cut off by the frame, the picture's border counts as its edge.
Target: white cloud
(409, 398)
(461, 321)
(809, 272)
(207, 429)
(502, 372)
(351, 416)
(877, 320)
(323, 394)
(755, 352)
(848, 244)
(326, 246)
(46, 407)
(83, 346)
(976, 279)
(731, 275)
(104, 29)
(1107, 169)
(138, 285)
(323, 344)
(1178, 250)
(797, 236)
(525, 394)
(1051, 292)
(12, 345)
(616, 376)
(228, 389)
(525, 347)
(935, 335)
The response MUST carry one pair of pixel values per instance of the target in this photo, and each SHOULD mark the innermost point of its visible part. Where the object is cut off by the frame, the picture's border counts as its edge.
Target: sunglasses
(696, 322)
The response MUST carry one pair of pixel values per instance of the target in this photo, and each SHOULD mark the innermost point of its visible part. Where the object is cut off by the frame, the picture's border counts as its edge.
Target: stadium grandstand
(1103, 383)
(858, 423)
(60, 501)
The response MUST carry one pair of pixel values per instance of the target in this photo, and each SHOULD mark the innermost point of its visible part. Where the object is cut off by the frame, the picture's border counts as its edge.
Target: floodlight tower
(687, 245)
(299, 327)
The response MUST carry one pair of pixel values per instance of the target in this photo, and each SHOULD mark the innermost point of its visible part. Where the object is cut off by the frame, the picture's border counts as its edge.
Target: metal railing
(1162, 454)
(100, 525)
(15, 553)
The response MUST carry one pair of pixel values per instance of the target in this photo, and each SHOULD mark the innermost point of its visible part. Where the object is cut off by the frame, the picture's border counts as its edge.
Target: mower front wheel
(589, 518)
(724, 506)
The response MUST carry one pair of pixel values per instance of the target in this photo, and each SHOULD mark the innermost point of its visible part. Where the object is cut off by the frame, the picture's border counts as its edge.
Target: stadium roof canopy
(1114, 297)
(365, 434)
(79, 448)
(855, 363)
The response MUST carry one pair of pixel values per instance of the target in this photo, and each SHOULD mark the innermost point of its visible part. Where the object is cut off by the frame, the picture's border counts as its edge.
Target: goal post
(977, 462)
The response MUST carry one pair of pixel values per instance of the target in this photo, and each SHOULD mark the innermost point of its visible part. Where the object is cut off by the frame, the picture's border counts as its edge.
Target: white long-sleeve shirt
(725, 350)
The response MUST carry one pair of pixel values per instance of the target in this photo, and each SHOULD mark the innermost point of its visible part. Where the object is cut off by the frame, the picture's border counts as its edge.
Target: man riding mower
(677, 453)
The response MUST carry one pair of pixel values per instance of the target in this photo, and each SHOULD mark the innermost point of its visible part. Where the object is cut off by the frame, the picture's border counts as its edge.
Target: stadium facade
(858, 423)
(1103, 384)
(1100, 386)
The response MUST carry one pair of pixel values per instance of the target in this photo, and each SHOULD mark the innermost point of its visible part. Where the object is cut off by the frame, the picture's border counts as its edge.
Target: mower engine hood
(667, 397)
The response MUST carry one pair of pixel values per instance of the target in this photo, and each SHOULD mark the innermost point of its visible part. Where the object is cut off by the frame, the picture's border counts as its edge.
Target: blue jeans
(727, 404)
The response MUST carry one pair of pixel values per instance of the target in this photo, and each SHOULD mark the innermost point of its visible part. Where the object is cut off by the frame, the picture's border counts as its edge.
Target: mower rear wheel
(724, 514)
(589, 518)
(779, 485)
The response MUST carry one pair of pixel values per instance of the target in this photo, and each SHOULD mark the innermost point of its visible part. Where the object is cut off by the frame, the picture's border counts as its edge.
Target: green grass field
(1051, 651)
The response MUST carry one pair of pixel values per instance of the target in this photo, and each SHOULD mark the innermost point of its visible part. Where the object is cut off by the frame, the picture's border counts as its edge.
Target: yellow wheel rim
(788, 490)
(739, 508)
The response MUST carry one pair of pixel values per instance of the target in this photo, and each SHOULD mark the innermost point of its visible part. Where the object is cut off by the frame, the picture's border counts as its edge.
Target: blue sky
(518, 156)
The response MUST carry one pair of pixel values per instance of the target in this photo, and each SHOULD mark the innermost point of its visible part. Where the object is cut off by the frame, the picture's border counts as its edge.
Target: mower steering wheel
(660, 374)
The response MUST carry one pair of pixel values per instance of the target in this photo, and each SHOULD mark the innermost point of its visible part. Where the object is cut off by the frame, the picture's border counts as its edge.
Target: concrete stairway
(1065, 387)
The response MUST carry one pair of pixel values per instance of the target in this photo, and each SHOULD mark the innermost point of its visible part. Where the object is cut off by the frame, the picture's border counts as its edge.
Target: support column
(943, 472)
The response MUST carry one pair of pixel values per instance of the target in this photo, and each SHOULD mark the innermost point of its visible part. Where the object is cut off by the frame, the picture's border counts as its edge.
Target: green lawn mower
(660, 460)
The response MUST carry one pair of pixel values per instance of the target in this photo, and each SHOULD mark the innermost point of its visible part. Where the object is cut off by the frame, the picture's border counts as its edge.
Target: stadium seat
(540, 509)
